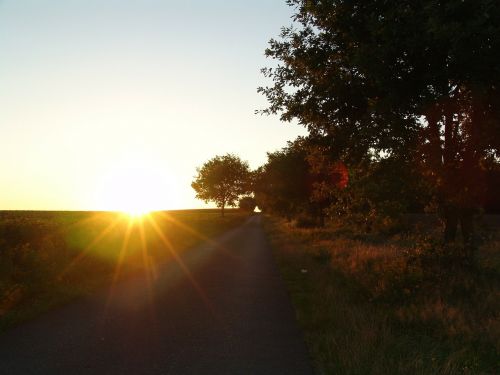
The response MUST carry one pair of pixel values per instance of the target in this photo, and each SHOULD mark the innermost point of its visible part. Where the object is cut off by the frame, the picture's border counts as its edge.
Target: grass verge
(378, 306)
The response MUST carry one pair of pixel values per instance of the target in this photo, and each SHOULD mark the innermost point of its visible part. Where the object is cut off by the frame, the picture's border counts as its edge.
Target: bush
(247, 204)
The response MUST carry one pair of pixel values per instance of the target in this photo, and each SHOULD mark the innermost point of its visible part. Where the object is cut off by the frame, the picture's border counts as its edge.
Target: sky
(108, 104)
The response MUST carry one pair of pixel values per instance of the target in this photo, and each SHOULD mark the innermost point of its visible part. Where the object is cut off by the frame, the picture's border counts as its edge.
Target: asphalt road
(229, 314)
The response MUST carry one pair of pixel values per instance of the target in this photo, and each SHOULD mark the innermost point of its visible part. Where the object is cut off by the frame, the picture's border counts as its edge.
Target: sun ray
(119, 263)
(197, 234)
(123, 250)
(181, 225)
(183, 266)
(94, 217)
(147, 258)
(148, 265)
(89, 247)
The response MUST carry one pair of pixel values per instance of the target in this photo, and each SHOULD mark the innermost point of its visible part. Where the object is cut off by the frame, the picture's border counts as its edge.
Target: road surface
(229, 314)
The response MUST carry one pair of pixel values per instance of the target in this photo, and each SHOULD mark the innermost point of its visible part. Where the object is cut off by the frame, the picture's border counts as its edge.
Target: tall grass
(48, 258)
(381, 305)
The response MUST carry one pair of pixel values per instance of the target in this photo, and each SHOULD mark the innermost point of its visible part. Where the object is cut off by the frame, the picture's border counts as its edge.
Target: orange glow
(136, 213)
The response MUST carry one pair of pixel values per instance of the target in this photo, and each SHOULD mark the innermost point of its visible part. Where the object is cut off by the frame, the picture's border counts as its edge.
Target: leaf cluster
(363, 73)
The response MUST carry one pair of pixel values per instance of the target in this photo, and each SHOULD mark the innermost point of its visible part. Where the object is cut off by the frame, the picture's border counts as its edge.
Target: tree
(402, 79)
(222, 179)
(371, 194)
(282, 186)
(247, 204)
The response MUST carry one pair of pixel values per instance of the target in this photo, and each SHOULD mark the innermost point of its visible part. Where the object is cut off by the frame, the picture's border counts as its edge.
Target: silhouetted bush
(247, 204)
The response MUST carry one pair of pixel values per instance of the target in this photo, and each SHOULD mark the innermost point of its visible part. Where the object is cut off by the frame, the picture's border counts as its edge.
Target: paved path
(239, 321)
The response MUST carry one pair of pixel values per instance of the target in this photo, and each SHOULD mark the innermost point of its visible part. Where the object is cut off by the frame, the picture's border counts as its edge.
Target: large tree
(222, 179)
(416, 79)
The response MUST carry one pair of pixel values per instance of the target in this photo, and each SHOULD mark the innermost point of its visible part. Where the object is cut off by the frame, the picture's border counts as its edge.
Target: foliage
(222, 179)
(379, 193)
(302, 181)
(247, 204)
(287, 183)
(417, 79)
(283, 185)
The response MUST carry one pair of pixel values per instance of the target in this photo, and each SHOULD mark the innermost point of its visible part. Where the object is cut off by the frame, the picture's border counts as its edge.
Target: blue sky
(106, 102)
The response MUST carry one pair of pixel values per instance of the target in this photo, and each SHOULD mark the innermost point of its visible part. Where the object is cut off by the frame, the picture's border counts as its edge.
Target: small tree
(247, 204)
(222, 179)
(282, 185)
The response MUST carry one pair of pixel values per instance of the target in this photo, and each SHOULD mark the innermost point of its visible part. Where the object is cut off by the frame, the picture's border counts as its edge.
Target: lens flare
(136, 213)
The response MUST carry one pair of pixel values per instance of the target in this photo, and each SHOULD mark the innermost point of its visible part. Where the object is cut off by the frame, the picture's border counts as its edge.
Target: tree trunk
(455, 165)
(467, 226)
(451, 212)
(450, 218)
(222, 209)
(434, 137)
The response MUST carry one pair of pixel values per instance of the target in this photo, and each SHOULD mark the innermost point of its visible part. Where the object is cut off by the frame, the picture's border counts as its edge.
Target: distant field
(372, 304)
(49, 257)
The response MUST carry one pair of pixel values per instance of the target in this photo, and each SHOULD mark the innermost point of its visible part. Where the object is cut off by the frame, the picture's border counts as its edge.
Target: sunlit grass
(48, 258)
(367, 308)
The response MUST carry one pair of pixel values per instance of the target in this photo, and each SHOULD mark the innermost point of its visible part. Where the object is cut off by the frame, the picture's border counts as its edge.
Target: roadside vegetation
(49, 258)
(391, 304)
(378, 216)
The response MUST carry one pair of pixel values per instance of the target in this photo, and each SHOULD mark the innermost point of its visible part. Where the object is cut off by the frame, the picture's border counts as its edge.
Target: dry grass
(373, 305)
(49, 258)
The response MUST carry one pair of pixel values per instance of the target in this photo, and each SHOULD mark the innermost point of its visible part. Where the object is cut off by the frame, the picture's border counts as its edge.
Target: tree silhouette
(247, 204)
(222, 179)
(409, 79)
(282, 185)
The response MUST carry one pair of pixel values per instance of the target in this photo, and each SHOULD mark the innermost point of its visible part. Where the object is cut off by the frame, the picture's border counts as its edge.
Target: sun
(136, 187)
(135, 203)
(136, 213)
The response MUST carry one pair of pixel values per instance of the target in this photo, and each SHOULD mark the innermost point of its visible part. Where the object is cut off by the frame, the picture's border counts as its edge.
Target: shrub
(247, 204)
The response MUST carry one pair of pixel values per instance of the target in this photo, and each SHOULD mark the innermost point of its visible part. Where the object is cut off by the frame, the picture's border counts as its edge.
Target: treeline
(305, 183)
(303, 180)
(402, 104)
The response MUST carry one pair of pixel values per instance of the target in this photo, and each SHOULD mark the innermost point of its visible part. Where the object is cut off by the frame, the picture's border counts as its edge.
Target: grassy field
(49, 258)
(371, 304)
